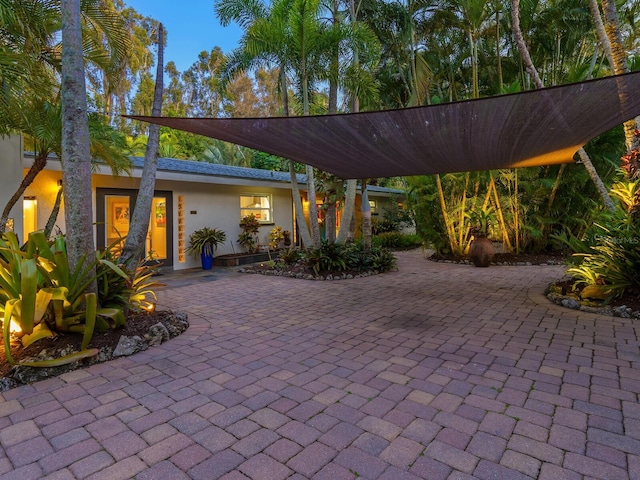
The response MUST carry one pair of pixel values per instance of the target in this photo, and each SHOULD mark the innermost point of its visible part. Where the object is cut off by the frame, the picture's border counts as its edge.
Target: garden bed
(506, 259)
(566, 294)
(141, 331)
(237, 259)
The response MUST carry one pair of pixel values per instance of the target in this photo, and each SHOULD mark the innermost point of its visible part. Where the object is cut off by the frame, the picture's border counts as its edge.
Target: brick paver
(433, 371)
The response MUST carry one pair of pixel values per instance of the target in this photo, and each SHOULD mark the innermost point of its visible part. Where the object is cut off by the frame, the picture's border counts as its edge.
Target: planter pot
(207, 261)
(481, 252)
(233, 260)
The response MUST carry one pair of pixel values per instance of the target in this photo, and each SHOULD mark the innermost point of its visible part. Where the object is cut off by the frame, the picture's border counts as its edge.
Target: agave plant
(40, 295)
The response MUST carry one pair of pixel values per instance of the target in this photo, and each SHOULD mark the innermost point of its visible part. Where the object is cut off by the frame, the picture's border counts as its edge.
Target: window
(373, 205)
(259, 205)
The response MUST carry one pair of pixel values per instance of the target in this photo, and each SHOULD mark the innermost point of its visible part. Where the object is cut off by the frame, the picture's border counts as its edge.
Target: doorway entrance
(114, 208)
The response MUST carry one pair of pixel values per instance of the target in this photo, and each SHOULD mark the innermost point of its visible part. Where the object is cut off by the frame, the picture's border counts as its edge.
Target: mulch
(137, 324)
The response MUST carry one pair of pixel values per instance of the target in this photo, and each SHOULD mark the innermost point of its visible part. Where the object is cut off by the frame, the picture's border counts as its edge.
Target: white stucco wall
(208, 200)
(11, 162)
(215, 205)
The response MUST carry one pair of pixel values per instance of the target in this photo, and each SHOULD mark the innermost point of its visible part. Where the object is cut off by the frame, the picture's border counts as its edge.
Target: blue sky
(191, 27)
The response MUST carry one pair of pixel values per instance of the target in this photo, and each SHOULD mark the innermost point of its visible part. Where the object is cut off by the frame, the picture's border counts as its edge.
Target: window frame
(244, 211)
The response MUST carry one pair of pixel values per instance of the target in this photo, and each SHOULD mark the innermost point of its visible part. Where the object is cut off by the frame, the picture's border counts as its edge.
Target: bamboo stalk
(450, 233)
(505, 235)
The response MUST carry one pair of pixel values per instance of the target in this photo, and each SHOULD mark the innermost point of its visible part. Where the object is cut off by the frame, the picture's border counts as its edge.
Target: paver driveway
(436, 371)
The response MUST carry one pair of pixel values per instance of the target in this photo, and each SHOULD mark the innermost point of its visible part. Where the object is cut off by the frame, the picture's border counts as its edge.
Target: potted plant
(481, 250)
(204, 242)
(248, 237)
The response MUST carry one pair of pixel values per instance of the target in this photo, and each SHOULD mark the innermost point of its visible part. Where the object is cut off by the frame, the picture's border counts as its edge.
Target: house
(189, 195)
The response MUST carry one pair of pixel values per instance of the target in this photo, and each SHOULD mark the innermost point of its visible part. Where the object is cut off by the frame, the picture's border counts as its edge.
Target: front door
(114, 209)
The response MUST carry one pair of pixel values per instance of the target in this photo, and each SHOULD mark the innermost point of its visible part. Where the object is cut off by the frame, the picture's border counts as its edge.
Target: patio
(435, 371)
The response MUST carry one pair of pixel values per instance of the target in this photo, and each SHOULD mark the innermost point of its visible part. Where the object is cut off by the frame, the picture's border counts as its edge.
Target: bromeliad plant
(41, 296)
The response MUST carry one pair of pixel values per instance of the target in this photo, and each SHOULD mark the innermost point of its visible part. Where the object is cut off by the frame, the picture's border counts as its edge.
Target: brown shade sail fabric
(538, 127)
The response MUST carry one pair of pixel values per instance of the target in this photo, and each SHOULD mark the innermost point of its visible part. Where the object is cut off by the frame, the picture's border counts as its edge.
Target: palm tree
(133, 250)
(30, 63)
(619, 64)
(526, 58)
(76, 154)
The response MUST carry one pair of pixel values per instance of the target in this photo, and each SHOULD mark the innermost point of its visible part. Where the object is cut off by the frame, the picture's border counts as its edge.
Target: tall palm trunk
(602, 34)
(526, 58)
(53, 217)
(366, 218)
(76, 155)
(301, 224)
(620, 66)
(345, 231)
(133, 251)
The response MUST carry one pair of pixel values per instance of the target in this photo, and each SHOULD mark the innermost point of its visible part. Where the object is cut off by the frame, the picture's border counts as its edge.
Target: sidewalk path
(436, 371)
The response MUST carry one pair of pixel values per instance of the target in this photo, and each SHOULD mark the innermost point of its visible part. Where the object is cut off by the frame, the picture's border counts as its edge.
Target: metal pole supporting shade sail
(537, 127)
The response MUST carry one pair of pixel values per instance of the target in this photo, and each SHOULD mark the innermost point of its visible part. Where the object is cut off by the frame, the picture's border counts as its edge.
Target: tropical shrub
(612, 265)
(248, 237)
(289, 256)
(276, 235)
(393, 220)
(375, 258)
(397, 240)
(125, 293)
(329, 257)
(387, 239)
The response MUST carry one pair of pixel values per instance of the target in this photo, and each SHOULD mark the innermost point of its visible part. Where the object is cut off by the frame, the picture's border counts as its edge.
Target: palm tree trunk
(53, 217)
(347, 213)
(330, 220)
(134, 245)
(76, 155)
(620, 66)
(516, 210)
(301, 224)
(498, 55)
(526, 58)
(366, 218)
(313, 207)
(602, 34)
(600, 187)
(39, 162)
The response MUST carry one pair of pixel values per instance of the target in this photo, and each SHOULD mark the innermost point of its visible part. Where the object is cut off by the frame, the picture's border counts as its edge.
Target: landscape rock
(158, 333)
(570, 303)
(130, 345)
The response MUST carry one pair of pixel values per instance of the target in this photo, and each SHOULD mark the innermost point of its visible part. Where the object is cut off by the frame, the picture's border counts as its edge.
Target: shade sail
(539, 127)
